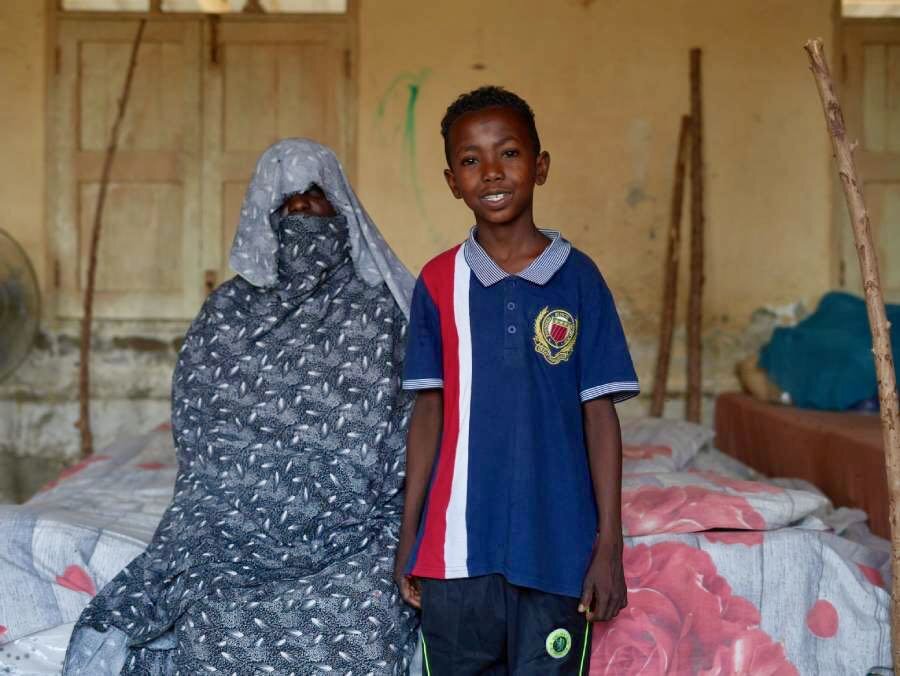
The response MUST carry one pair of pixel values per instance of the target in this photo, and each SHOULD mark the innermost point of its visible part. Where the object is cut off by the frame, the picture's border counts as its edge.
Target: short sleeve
(423, 368)
(605, 368)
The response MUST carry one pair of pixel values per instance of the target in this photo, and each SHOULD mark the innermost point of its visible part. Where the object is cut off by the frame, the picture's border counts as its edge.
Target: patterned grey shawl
(293, 165)
(276, 554)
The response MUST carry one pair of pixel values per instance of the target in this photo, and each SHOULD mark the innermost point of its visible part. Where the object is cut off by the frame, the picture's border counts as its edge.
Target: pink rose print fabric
(77, 468)
(746, 538)
(76, 579)
(682, 618)
(738, 485)
(647, 459)
(636, 452)
(871, 574)
(684, 439)
(150, 466)
(692, 502)
(70, 539)
(822, 619)
(685, 509)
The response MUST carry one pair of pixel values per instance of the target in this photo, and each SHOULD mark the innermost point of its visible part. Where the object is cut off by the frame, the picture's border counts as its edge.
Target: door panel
(148, 261)
(872, 107)
(208, 95)
(136, 251)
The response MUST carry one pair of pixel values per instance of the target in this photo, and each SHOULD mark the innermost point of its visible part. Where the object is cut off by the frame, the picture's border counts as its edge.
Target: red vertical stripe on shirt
(439, 280)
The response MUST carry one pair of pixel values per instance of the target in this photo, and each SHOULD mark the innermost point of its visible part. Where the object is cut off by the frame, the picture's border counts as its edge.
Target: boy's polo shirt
(516, 355)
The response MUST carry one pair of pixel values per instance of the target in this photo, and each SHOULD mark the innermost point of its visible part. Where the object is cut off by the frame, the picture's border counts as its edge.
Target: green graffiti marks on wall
(413, 83)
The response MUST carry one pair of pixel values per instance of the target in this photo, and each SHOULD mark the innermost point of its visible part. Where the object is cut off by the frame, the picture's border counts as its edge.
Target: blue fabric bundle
(825, 362)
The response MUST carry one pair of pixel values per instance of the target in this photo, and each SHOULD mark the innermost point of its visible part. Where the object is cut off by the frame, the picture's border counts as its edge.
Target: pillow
(721, 463)
(684, 438)
(646, 459)
(692, 502)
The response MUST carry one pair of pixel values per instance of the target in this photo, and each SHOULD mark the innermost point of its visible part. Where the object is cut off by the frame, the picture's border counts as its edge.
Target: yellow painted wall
(608, 80)
(23, 92)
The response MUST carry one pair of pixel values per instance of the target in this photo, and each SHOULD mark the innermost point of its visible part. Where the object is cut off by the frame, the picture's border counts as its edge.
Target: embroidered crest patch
(559, 643)
(554, 334)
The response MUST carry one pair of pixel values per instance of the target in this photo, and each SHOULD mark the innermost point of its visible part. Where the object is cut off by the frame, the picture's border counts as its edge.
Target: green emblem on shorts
(559, 643)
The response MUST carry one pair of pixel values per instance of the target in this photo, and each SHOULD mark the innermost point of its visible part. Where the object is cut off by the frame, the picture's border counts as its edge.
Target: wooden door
(872, 105)
(148, 262)
(266, 80)
(208, 96)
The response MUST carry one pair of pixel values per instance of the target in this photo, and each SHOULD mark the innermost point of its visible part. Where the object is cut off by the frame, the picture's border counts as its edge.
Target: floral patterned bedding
(727, 572)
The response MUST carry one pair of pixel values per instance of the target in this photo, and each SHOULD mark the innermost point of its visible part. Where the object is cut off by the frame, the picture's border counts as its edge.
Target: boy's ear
(451, 181)
(542, 168)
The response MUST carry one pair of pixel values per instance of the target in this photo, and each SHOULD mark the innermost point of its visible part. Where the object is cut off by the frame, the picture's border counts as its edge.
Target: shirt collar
(539, 271)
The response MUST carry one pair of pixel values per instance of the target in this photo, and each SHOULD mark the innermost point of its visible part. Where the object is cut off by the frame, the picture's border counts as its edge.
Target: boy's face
(493, 166)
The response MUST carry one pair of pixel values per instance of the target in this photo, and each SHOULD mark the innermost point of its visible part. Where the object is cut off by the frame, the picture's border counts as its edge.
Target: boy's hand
(603, 594)
(409, 589)
(421, 447)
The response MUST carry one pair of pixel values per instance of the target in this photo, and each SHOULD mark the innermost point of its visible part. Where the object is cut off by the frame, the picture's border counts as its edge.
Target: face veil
(293, 165)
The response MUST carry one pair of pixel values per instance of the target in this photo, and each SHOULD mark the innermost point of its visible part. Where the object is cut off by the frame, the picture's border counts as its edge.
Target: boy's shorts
(487, 626)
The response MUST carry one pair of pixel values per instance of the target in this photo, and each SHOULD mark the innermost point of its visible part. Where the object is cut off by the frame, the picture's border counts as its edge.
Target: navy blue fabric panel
(424, 363)
(605, 366)
(491, 446)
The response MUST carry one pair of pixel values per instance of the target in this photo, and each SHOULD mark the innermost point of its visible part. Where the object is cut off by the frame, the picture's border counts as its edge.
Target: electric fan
(20, 305)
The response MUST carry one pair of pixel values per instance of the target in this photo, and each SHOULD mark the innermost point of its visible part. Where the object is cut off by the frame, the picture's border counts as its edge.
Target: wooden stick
(670, 274)
(84, 381)
(881, 337)
(695, 295)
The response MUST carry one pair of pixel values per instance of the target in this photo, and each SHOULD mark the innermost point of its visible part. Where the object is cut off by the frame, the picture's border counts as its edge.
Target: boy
(518, 356)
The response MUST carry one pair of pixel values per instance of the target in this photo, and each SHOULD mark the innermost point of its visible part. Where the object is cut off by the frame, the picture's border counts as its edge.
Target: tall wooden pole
(670, 274)
(695, 296)
(84, 379)
(881, 336)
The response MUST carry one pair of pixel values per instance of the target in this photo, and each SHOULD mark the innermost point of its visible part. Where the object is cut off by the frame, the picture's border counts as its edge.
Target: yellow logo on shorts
(559, 643)
(554, 335)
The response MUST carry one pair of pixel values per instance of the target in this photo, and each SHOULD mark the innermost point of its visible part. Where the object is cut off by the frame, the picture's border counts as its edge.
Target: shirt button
(510, 306)
(510, 329)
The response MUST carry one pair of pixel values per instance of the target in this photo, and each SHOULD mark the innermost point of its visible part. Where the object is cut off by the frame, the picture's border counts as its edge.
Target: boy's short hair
(489, 96)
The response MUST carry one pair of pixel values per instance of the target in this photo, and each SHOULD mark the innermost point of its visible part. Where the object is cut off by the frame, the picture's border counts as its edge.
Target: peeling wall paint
(130, 384)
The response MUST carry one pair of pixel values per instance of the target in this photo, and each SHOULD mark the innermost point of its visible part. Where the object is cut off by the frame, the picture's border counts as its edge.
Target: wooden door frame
(851, 100)
(52, 170)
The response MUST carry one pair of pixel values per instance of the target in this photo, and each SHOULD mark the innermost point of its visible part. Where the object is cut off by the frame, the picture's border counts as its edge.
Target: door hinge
(214, 39)
(57, 273)
(209, 281)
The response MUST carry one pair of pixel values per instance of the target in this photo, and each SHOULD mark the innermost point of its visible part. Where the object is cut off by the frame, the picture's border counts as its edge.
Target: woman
(276, 553)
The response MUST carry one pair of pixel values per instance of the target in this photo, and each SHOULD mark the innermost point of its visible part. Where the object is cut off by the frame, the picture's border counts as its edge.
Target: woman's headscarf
(293, 165)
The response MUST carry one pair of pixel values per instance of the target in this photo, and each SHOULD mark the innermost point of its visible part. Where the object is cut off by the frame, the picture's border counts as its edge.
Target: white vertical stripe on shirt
(456, 543)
